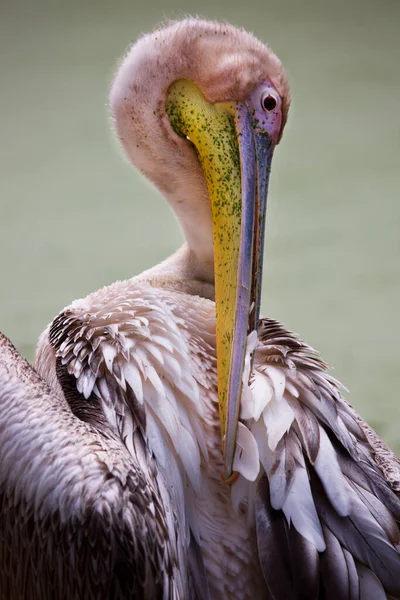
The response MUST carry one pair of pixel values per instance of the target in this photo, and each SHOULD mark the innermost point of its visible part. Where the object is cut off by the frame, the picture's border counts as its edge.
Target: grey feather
(380, 513)
(371, 480)
(272, 545)
(360, 505)
(363, 537)
(76, 525)
(198, 583)
(334, 569)
(370, 586)
(354, 584)
(305, 563)
(308, 428)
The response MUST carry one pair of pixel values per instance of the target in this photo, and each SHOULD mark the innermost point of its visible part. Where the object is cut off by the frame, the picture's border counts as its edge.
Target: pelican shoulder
(150, 348)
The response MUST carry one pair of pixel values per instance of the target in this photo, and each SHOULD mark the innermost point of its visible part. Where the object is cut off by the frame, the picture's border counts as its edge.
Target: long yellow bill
(234, 142)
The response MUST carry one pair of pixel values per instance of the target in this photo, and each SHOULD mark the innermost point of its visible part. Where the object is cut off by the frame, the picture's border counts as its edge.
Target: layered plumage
(142, 353)
(324, 505)
(110, 479)
(327, 500)
(80, 516)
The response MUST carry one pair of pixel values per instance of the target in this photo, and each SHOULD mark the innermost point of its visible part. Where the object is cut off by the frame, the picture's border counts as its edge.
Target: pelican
(170, 443)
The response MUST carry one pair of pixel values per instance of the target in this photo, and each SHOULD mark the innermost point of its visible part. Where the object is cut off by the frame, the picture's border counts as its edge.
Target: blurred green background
(74, 216)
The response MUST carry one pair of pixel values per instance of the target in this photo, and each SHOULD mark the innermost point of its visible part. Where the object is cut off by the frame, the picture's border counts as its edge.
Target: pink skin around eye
(268, 121)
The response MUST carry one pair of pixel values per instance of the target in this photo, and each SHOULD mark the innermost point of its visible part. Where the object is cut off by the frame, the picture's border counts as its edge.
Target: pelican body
(171, 444)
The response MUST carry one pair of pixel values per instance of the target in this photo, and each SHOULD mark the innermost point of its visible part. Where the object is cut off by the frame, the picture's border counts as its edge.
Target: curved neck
(182, 272)
(169, 161)
(224, 63)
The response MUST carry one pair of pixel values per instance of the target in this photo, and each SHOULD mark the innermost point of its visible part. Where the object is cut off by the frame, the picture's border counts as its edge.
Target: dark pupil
(269, 103)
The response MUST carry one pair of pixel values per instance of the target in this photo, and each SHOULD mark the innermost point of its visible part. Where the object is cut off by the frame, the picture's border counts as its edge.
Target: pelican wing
(123, 362)
(80, 517)
(327, 503)
(118, 363)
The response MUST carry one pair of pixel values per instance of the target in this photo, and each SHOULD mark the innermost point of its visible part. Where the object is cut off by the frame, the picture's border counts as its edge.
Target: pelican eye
(269, 102)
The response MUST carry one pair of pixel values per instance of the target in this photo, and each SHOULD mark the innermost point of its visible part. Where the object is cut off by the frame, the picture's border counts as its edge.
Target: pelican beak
(255, 150)
(235, 143)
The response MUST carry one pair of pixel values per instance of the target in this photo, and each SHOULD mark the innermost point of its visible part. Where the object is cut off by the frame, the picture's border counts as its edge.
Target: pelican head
(199, 107)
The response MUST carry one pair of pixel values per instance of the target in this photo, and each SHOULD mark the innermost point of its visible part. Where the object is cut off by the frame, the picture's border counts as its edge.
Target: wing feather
(110, 351)
(305, 566)
(334, 569)
(272, 531)
(72, 523)
(370, 586)
(354, 583)
(134, 368)
(330, 493)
